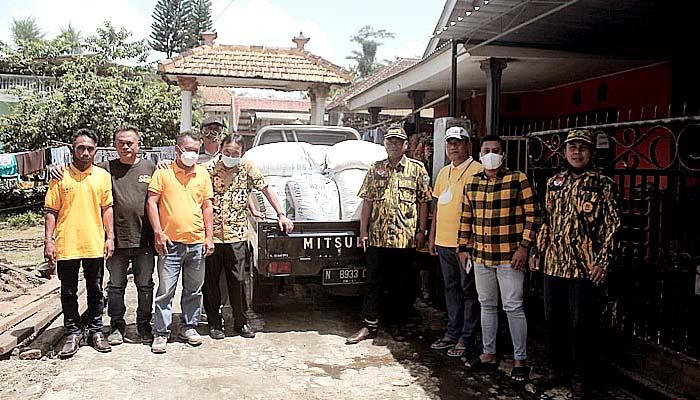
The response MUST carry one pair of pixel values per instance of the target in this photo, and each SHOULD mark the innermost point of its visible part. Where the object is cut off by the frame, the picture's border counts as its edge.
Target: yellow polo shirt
(78, 199)
(451, 180)
(180, 205)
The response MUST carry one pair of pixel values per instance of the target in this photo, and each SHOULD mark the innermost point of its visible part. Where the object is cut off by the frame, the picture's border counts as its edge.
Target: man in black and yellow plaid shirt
(578, 241)
(498, 223)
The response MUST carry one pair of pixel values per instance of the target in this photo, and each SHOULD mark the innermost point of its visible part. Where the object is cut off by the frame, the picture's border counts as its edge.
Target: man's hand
(364, 238)
(420, 240)
(463, 257)
(432, 249)
(519, 258)
(208, 247)
(597, 275)
(162, 243)
(56, 173)
(164, 164)
(109, 248)
(534, 263)
(257, 214)
(50, 251)
(286, 225)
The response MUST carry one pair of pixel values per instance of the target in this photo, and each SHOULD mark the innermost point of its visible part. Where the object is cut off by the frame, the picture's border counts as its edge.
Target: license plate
(344, 276)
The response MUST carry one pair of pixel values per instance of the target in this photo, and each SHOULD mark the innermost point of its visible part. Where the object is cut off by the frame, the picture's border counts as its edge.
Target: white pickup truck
(324, 252)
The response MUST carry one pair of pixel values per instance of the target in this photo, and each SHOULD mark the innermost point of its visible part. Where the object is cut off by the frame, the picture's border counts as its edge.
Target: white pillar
(188, 86)
(318, 94)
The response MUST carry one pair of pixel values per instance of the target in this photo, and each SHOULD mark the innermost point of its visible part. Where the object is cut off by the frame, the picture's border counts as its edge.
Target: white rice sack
(317, 153)
(353, 154)
(315, 198)
(278, 185)
(283, 159)
(349, 182)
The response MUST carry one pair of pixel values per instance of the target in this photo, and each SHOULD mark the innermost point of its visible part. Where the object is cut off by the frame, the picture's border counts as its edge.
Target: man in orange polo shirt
(180, 210)
(78, 215)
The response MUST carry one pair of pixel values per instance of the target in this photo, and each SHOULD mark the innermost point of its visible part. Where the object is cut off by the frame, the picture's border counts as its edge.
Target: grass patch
(23, 219)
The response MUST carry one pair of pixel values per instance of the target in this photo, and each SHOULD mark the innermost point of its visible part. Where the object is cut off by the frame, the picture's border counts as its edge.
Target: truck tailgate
(311, 249)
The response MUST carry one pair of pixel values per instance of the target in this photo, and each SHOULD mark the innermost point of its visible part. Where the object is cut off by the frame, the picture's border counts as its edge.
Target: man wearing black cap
(578, 242)
(393, 222)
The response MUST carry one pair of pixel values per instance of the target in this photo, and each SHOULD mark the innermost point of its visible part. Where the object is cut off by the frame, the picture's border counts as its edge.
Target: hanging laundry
(8, 164)
(30, 161)
(61, 156)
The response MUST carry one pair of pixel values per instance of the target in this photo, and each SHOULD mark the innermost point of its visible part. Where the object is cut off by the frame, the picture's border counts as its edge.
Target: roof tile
(255, 61)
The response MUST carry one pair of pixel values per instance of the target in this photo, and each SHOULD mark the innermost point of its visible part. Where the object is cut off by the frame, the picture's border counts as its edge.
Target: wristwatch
(424, 232)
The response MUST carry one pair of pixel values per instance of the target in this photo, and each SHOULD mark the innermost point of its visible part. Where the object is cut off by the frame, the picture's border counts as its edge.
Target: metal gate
(654, 293)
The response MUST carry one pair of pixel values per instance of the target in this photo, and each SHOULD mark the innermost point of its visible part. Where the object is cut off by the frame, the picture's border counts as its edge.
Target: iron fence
(654, 293)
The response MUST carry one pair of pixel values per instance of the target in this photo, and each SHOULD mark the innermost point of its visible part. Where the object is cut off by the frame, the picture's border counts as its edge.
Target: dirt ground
(22, 248)
(300, 354)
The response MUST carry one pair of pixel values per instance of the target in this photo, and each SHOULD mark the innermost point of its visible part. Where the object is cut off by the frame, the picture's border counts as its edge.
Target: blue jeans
(187, 258)
(461, 299)
(143, 261)
(488, 281)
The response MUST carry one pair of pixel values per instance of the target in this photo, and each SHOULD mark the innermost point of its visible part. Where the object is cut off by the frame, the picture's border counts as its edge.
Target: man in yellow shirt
(179, 207)
(78, 215)
(461, 299)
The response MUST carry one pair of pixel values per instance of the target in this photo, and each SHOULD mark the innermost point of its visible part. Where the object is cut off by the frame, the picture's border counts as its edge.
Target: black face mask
(578, 171)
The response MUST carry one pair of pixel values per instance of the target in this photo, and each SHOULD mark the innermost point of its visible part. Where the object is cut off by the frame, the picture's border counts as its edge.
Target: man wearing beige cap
(393, 222)
(461, 299)
(578, 240)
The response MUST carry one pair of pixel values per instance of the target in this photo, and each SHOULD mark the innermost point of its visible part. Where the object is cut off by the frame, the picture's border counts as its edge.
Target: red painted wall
(646, 88)
(633, 90)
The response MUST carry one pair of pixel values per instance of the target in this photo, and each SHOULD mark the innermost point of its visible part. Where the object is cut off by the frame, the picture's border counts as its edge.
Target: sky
(329, 24)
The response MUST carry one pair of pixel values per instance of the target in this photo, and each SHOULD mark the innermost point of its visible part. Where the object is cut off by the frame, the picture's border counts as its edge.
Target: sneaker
(115, 337)
(216, 333)
(191, 337)
(145, 333)
(159, 345)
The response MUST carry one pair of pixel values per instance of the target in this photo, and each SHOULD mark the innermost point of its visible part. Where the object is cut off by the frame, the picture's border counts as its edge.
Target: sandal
(520, 374)
(476, 364)
(443, 344)
(457, 351)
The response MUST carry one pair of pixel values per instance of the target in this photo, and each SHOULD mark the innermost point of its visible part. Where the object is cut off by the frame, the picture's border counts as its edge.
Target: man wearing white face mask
(232, 180)
(461, 299)
(179, 208)
(498, 224)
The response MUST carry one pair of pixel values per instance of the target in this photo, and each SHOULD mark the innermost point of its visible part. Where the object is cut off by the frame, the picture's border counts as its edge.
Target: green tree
(93, 91)
(25, 30)
(169, 26)
(198, 21)
(366, 60)
(72, 38)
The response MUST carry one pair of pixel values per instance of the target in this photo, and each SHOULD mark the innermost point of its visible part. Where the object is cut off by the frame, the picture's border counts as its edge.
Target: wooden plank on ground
(26, 328)
(7, 308)
(11, 338)
(48, 338)
(27, 311)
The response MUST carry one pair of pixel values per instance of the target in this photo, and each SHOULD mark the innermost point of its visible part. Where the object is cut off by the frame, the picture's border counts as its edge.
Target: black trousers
(93, 271)
(390, 294)
(231, 258)
(573, 315)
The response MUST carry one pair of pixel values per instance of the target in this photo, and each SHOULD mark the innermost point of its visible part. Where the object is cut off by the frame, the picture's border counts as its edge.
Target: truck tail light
(278, 267)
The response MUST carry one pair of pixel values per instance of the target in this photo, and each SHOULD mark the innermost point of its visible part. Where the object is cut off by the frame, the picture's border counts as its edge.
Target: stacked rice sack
(279, 162)
(347, 163)
(316, 182)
